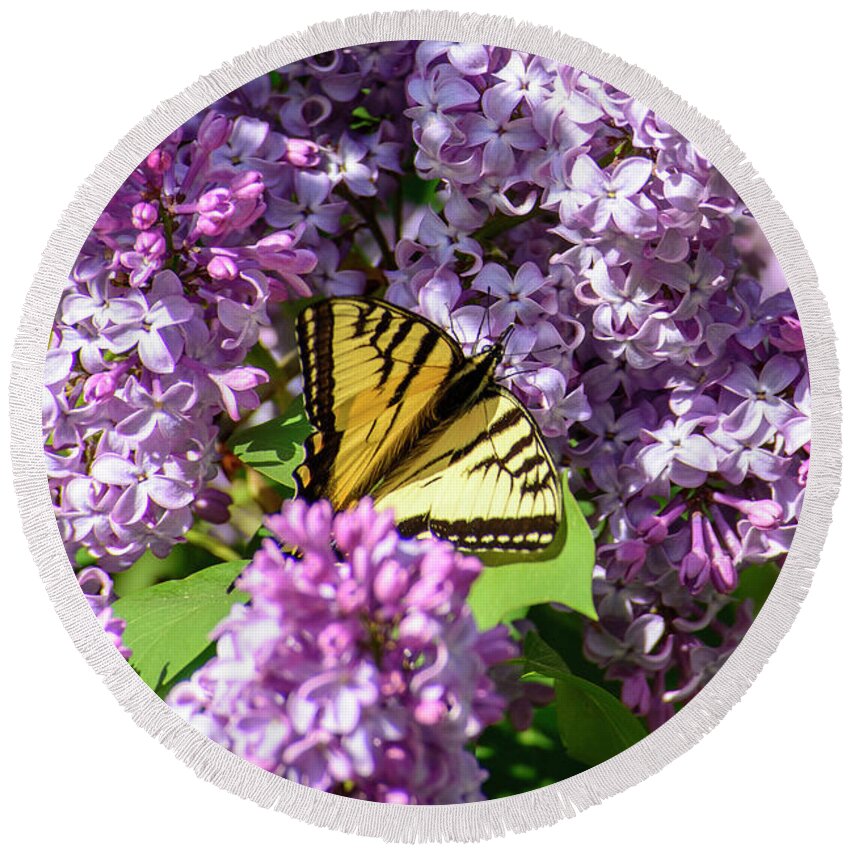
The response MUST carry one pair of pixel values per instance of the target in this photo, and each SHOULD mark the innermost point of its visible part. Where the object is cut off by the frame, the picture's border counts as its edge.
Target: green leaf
(276, 447)
(540, 658)
(419, 191)
(183, 560)
(84, 558)
(565, 576)
(196, 663)
(168, 624)
(594, 725)
(522, 761)
(755, 583)
(261, 358)
(363, 119)
(563, 631)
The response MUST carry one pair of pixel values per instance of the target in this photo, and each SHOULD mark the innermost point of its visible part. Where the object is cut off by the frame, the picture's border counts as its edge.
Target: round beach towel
(425, 421)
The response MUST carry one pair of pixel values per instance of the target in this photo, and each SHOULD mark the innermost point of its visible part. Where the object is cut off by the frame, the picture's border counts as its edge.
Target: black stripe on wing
(507, 420)
(507, 533)
(426, 345)
(314, 475)
(383, 329)
(400, 335)
(535, 474)
(315, 329)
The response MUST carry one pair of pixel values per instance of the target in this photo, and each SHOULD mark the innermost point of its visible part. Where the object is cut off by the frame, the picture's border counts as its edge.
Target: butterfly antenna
(489, 326)
(541, 350)
(452, 323)
(506, 335)
(485, 314)
(518, 372)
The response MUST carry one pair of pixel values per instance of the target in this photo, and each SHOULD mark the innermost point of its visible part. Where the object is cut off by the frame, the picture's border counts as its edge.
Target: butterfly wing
(372, 374)
(484, 481)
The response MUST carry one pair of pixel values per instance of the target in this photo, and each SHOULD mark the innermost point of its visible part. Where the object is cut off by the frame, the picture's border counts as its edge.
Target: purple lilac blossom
(185, 268)
(641, 284)
(356, 667)
(655, 339)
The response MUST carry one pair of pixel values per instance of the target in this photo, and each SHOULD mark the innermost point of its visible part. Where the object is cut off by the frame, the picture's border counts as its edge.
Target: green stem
(368, 215)
(213, 546)
(168, 229)
(399, 208)
(500, 223)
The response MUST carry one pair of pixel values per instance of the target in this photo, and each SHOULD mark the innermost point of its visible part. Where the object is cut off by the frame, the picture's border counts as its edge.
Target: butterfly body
(402, 415)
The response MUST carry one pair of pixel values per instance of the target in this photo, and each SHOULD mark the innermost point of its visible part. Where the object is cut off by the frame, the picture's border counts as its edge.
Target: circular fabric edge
(468, 821)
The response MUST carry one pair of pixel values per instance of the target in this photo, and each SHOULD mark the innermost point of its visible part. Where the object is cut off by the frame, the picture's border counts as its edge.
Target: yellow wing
(483, 481)
(372, 374)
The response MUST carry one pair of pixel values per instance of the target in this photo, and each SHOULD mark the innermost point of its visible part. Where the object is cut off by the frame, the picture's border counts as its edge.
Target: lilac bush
(663, 361)
(654, 340)
(149, 346)
(171, 291)
(357, 668)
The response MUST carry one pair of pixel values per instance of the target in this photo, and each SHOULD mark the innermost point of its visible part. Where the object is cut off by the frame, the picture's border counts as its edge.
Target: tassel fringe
(470, 821)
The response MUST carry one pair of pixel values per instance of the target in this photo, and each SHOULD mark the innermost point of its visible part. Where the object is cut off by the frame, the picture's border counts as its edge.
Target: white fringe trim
(470, 821)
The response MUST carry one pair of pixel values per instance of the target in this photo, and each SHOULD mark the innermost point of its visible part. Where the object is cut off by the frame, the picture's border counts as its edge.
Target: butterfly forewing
(372, 373)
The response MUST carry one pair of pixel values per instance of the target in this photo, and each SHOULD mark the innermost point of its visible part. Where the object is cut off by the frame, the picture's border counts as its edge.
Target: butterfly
(401, 414)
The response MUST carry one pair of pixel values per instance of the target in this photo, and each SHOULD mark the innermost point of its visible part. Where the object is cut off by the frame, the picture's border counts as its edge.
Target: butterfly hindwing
(483, 481)
(372, 372)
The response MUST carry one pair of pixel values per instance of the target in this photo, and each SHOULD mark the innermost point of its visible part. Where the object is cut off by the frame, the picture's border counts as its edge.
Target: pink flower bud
(765, 513)
(213, 131)
(144, 215)
(151, 243)
(159, 160)
(222, 268)
(350, 596)
(724, 577)
(430, 712)
(212, 506)
(301, 153)
(216, 200)
(654, 529)
(335, 639)
(248, 186)
(762, 513)
(99, 386)
(694, 570)
(730, 538)
(390, 583)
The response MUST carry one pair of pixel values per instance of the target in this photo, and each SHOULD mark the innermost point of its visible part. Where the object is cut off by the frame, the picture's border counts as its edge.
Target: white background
(76, 77)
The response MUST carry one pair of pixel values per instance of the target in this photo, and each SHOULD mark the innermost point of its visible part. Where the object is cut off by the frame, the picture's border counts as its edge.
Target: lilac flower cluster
(651, 322)
(654, 338)
(177, 282)
(357, 667)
